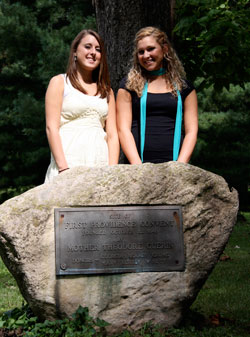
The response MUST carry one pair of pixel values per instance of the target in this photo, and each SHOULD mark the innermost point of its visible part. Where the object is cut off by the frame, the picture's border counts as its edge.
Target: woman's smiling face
(150, 53)
(88, 53)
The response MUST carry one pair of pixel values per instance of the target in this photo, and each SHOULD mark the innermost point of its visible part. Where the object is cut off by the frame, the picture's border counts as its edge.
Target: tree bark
(119, 20)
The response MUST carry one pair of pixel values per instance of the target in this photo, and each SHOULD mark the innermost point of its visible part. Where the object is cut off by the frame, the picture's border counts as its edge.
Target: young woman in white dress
(80, 110)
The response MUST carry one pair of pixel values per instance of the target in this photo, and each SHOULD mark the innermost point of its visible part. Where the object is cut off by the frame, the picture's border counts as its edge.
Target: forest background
(212, 38)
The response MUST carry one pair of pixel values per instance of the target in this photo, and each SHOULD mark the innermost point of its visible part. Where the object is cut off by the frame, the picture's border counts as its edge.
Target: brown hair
(137, 75)
(100, 74)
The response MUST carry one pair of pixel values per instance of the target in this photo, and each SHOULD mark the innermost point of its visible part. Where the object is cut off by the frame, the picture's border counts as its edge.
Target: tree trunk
(119, 20)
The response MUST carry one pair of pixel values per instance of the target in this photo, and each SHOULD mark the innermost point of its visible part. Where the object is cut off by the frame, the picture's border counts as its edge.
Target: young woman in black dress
(152, 102)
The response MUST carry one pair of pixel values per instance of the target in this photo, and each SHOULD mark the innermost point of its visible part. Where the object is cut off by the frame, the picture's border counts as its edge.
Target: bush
(235, 99)
(223, 148)
(223, 141)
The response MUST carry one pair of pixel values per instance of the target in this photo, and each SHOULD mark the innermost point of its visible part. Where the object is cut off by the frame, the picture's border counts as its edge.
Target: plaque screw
(63, 266)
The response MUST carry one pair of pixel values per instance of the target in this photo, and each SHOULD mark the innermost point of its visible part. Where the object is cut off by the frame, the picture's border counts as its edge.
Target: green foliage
(213, 40)
(81, 324)
(223, 142)
(235, 99)
(222, 149)
(34, 43)
(16, 318)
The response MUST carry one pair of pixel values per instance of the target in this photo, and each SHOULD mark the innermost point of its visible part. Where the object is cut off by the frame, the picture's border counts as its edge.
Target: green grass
(225, 297)
(227, 291)
(222, 307)
(10, 296)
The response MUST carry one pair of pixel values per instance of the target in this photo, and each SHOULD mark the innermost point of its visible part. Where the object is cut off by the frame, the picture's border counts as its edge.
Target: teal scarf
(178, 122)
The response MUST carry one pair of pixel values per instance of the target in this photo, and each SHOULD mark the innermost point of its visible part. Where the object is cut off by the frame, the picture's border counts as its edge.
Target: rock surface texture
(27, 242)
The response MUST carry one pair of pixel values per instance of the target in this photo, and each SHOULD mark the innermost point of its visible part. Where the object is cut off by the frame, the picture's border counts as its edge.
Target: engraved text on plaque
(117, 239)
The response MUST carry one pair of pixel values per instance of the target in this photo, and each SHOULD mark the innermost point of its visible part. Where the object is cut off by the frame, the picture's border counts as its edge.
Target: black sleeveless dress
(160, 123)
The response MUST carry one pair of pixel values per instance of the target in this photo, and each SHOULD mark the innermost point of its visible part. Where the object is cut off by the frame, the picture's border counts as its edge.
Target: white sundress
(82, 132)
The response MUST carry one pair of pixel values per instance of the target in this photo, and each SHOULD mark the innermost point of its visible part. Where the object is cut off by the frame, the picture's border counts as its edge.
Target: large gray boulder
(27, 243)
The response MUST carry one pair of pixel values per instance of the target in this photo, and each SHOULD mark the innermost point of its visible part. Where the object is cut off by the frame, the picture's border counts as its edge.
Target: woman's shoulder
(57, 79)
(57, 84)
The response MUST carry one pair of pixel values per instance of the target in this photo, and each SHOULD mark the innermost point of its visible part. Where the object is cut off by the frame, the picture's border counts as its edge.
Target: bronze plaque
(117, 239)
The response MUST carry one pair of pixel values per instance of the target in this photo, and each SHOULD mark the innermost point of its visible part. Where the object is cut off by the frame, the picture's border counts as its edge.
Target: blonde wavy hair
(175, 73)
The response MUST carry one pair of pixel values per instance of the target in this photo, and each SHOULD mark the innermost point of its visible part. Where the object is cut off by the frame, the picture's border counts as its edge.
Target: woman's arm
(112, 135)
(53, 106)
(124, 122)
(191, 127)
